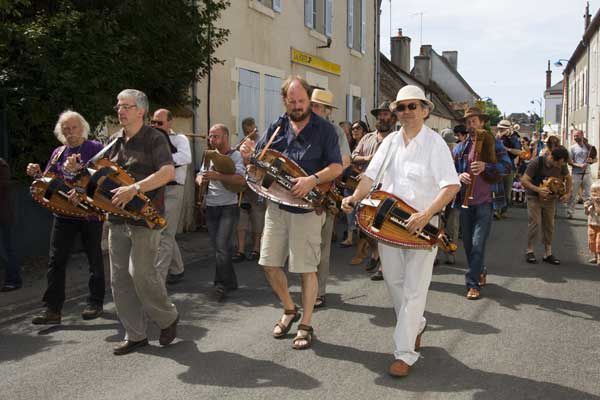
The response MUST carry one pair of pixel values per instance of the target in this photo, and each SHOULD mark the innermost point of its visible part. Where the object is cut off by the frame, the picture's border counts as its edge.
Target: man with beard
(580, 161)
(310, 141)
(361, 157)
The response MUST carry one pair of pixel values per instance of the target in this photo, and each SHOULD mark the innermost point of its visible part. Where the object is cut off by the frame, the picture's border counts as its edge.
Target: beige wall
(261, 40)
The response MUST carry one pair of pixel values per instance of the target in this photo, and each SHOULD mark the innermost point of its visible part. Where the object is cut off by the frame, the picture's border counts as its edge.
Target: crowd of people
(460, 179)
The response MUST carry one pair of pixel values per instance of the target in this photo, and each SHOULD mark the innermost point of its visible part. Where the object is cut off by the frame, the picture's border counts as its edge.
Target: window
(558, 112)
(273, 104)
(355, 108)
(318, 15)
(357, 10)
(274, 5)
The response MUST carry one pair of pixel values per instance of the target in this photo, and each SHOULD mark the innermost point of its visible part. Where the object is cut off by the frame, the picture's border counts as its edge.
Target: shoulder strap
(386, 161)
(57, 156)
(102, 152)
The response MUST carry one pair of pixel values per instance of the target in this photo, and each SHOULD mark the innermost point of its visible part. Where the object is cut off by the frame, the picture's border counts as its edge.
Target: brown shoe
(168, 334)
(128, 346)
(418, 339)
(47, 317)
(91, 311)
(399, 368)
(473, 294)
(482, 279)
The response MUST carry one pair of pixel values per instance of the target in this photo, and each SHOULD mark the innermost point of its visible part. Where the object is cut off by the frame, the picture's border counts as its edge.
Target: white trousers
(169, 256)
(407, 275)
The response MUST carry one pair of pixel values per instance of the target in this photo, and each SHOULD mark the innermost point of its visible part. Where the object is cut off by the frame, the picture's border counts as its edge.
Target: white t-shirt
(217, 195)
(183, 157)
(417, 172)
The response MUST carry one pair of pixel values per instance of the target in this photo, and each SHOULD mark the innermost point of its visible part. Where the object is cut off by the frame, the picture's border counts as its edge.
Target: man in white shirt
(421, 173)
(169, 261)
(581, 157)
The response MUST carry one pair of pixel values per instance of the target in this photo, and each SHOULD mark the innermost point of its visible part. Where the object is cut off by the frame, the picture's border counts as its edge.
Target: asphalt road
(534, 335)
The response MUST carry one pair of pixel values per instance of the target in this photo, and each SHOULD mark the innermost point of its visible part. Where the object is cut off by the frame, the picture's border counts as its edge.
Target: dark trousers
(64, 232)
(221, 222)
(13, 268)
(475, 224)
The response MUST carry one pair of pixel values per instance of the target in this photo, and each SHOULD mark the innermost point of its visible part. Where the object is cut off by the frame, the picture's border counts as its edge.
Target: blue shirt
(314, 148)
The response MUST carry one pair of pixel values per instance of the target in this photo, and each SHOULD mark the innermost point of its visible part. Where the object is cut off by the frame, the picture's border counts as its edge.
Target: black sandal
(308, 337)
(285, 329)
(238, 257)
(320, 302)
(255, 255)
(530, 258)
(551, 260)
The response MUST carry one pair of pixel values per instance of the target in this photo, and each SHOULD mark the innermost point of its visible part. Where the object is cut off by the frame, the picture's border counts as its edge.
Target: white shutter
(273, 105)
(363, 28)
(329, 18)
(308, 14)
(363, 111)
(248, 95)
(349, 108)
(277, 5)
(351, 23)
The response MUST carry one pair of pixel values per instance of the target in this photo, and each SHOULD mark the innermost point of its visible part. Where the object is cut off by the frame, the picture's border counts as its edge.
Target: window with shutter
(248, 96)
(350, 23)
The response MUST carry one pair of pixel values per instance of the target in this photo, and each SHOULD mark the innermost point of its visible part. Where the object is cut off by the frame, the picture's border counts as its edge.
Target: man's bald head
(162, 118)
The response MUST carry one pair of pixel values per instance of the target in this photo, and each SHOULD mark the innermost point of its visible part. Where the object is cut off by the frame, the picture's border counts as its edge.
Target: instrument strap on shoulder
(386, 162)
(102, 152)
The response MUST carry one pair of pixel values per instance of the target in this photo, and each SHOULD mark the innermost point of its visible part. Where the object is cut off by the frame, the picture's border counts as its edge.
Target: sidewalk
(195, 246)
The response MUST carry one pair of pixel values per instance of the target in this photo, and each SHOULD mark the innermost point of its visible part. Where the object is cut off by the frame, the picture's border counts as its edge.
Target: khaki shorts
(253, 219)
(297, 236)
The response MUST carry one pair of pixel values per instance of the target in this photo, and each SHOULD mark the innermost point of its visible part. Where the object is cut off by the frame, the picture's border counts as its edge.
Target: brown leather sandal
(308, 337)
(285, 329)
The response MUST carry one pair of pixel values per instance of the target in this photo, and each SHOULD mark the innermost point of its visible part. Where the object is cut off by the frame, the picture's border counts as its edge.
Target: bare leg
(257, 237)
(241, 236)
(310, 288)
(279, 284)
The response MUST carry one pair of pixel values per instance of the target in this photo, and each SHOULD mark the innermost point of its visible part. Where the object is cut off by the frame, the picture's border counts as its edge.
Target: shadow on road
(512, 300)
(226, 369)
(439, 372)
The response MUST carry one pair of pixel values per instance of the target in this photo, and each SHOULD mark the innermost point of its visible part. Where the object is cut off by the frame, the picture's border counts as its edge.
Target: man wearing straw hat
(322, 105)
(512, 143)
(414, 164)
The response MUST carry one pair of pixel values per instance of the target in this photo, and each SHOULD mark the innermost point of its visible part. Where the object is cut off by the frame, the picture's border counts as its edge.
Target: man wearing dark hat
(482, 174)
(361, 156)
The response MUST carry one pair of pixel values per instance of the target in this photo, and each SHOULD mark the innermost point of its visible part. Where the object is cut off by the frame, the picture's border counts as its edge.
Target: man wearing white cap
(417, 167)
(322, 105)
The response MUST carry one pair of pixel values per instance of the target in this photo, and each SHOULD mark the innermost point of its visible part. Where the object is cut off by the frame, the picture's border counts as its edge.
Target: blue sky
(503, 46)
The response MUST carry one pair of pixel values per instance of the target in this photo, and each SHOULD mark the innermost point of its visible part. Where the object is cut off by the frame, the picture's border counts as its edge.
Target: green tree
(491, 109)
(78, 54)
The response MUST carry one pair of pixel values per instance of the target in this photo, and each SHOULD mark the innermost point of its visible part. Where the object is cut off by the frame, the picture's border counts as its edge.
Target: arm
(501, 167)
(184, 152)
(528, 184)
(123, 195)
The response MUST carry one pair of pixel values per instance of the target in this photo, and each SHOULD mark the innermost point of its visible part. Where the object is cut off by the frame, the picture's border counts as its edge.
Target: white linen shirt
(183, 157)
(417, 172)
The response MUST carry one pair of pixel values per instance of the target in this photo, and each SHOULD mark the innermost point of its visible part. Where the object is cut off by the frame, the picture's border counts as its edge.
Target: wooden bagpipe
(52, 192)
(556, 186)
(383, 217)
(100, 178)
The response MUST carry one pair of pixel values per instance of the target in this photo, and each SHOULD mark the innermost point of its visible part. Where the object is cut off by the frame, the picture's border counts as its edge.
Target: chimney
(548, 76)
(422, 68)
(425, 50)
(452, 58)
(400, 50)
(587, 17)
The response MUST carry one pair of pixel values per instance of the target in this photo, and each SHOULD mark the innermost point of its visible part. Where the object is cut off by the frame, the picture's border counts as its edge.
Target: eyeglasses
(410, 106)
(355, 128)
(155, 122)
(124, 107)
(214, 136)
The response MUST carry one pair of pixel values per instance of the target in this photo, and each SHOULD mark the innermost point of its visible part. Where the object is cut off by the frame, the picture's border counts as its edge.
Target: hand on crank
(303, 185)
(417, 221)
(477, 167)
(73, 163)
(212, 175)
(123, 195)
(73, 197)
(33, 170)
(247, 149)
(348, 204)
(465, 178)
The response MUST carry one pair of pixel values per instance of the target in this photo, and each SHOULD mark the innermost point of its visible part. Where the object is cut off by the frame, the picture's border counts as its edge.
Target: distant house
(553, 98)
(395, 73)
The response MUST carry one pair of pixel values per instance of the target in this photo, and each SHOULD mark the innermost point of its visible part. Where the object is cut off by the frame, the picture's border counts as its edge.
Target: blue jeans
(475, 223)
(13, 269)
(221, 222)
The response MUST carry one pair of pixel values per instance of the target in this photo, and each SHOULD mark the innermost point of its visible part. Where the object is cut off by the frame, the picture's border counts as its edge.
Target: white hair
(141, 100)
(65, 115)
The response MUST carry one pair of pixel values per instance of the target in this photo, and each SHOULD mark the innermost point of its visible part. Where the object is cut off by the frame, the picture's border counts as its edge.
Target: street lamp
(539, 101)
(558, 63)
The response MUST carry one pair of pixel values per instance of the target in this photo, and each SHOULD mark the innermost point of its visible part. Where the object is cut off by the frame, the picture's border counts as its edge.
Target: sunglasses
(410, 106)
(155, 122)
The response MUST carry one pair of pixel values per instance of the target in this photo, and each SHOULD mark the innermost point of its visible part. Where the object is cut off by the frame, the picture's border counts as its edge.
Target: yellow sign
(315, 62)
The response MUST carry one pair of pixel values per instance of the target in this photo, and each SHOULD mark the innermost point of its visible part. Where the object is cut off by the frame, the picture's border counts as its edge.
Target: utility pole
(420, 28)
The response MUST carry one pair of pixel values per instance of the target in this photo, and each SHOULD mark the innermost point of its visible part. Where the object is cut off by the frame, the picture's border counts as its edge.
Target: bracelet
(317, 178)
